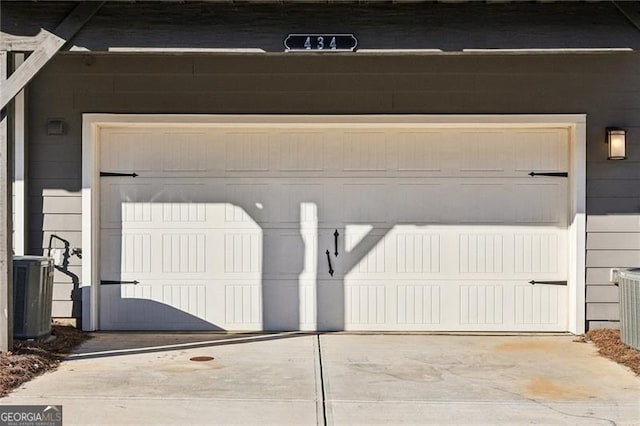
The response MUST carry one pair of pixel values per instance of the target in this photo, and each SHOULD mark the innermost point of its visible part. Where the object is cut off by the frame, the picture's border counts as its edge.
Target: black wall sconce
(617, 141)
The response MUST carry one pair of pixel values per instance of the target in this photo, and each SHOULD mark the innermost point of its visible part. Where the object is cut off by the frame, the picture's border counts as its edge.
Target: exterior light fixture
(617, 140)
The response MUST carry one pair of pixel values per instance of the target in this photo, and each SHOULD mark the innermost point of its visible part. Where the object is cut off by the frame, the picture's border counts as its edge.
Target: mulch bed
(609, 345)
(30, 359)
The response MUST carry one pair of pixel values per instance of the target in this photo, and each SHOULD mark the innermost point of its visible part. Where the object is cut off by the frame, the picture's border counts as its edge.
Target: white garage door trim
(574, 123)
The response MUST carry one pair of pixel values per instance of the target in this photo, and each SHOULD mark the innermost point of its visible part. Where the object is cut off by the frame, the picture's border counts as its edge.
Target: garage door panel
(154, 305)
(350, 201)
(539, 304)
(184, 206)
(512, 252)
(146, 254)
(366, 305)
(411, 251)
(143, 151)
(300, 151)
(131, 253)
(396, 305)
(541, 202)
(184, 253)
(182, 304)
(153, 205)
(243, 306)
(247, 151)
(122, 313)
(482, 202)
(130, 150)
(187, 298)
(242, 253)
(361, 203)
(416, 252)
(444, 152)
(418, 304)
(194, 213)
(329, 304)
(540, 150)
(404, 250)
(284, 254)
(439, 229)
(421, 151)
(483, 152)
(481, 253)
(298, 203)
(363, 249)
(364, 151)
(377, 261)
(190, 152)
(243, 203)
(128, 203)
(482, 304)
(281, 304)
(419, 202)
(537, 253)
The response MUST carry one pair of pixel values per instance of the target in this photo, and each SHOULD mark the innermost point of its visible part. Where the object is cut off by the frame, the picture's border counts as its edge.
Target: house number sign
(320, 43)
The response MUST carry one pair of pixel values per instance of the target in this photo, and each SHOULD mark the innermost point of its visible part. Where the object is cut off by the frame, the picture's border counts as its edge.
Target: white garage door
(234, 228)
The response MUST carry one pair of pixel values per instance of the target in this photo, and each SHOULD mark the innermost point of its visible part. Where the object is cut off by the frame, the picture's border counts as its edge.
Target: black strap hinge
(331, 271)
(553, 174)
(109, 282)
(533, 282)
(112, 174)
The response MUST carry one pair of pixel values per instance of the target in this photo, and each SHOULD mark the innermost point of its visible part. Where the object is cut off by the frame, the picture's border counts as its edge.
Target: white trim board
(575, 123)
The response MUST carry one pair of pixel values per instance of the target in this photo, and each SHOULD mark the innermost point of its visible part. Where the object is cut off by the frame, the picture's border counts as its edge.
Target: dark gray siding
(604, 86)
(378, 25)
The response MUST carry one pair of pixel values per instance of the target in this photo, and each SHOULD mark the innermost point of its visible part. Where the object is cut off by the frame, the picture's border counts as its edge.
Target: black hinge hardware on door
(533, 282)
(552, 174)
(108, 282)
(118, 174)
(329, 261)
(335, 242)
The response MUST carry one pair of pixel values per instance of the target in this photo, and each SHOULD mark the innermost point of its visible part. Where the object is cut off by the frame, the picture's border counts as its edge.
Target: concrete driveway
(342, 379)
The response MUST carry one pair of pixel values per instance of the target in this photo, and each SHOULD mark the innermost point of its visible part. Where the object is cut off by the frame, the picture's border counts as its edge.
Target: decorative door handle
(329, 261)
(336, 234)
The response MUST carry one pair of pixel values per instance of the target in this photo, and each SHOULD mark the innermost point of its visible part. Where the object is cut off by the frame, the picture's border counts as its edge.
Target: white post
(19, 169)
(6, 254)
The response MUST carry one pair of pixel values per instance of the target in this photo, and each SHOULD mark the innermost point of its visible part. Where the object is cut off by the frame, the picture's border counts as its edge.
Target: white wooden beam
(51, 43)
(6, 255)
(19, 167)
(13, 43)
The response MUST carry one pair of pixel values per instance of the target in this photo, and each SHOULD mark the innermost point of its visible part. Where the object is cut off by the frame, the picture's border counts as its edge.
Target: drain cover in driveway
(201, 358)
